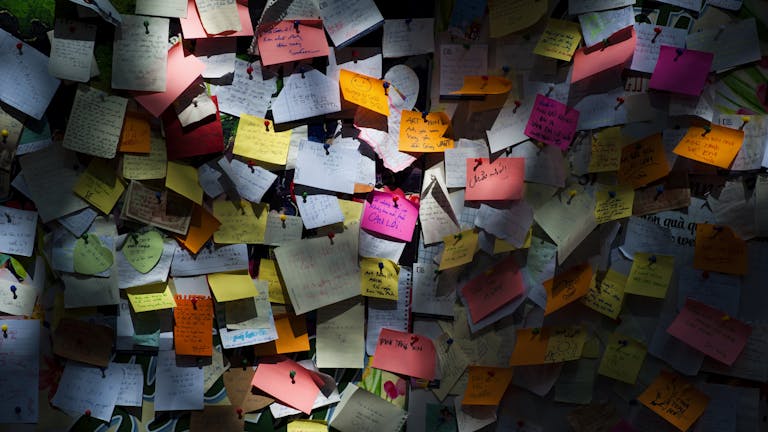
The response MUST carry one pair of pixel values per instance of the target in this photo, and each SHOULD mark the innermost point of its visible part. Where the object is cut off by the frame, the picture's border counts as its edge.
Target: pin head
(283, 217)
(4, 328)
(4, 133)
(657, 30)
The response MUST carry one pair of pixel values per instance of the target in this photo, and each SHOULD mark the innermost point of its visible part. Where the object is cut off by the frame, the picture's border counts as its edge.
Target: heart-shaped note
(143, 251)
(90, 255)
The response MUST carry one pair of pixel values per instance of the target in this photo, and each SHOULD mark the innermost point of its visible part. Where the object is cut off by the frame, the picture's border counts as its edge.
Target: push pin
(326, 146)
(707, 129)
(304, 197)
(478, 162)
(13, 291)
(239, 412)
(623, 343)
(159, 197)
(19, 46)
(448, 344)
(619, 102)
(457, 237)
(251, 166)
(5, 134)
(4, 328)
(249, 71)
(424, 116)
(720, 31)
(679, 52)
(292, 374)
(414, 339)
(8, 218)
(484, 79)
(331, 235)
(659, 191)
(194, 303)
(146, 27)
(606, 43)
(535, 331)
(194, 103)
(381, 267)
(611, 194)
(385, 84)
(571, 195)
(296, 26)
(725, 317)
(657, 31)
(517, 105)
(354, 56)
(17, 410)
(549, 91)
(266, 125)
(491, 374)
(85, 238)
(395, 198)
(505, 69)
(408, 23)
(87, 413)
(437, 274)
(283, 218)
(651, 260)
(744, 121)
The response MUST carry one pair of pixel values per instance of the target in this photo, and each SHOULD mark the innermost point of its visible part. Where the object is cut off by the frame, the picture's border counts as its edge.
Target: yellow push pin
(744, 121)
(5, 134)
(571, 193)
(283, 218)
(4, 327)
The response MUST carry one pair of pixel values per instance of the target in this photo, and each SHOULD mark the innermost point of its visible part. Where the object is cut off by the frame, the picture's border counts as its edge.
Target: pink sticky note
(681, 70)
(405, 353)
(499, 180)
(275, 379)
(181, 72)
(390, 216)
(493, 289)
(600, 57)
(288, 42)
(192, 27)
(552, 122)
(710, 331)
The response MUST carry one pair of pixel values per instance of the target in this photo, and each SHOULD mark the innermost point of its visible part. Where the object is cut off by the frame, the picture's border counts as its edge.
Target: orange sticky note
(405, 353)
(548, 345)
(419, 133)
(193, 319)
(135, 136)
(675, 400)
(567, 287)
(202, 225)
(643, 162)
(714, 145)
(291, 337)
(719, 249)
(486, 385)
(618, 50)
(292, 40)
(368, 92)
(530, 346)
(484, 85)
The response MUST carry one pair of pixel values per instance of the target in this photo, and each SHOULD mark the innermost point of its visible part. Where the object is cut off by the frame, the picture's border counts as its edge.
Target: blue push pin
(326, 146)
(381, 267)
(679, 52)
(296, 26)
(13, 290)
(424, 115)
(612, 194)
(505, 69)
(385, 84)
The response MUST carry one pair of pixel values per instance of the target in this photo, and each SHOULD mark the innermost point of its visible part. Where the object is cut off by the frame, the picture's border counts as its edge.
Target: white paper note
(72, 50)
(249, 93)
(83, 387)
(312, 95)
(348, 20)
(140, 54)
(407, 37)
(330, 167)
(177, 388)
(21, 353)
(95, 123)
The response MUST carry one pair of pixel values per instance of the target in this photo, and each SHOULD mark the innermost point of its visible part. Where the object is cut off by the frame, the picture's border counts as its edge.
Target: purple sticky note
(681, 70)
(391, 215)
(552, 122)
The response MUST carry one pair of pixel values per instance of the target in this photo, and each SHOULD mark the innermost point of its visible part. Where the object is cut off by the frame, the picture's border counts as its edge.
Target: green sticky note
(143, 251)
(90, 255)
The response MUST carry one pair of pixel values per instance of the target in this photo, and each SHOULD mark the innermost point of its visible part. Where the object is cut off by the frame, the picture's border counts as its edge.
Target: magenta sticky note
(552, 122)
(681, 70)
(390, 214)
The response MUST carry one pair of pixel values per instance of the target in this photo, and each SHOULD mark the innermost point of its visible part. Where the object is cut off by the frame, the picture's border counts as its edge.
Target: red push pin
(394, 200)
(354, 56)
(194, 303)
(249, 70)
(239, 412)
(485, 81)
(72, 29)
(619, 102)
(491, 374)
(266, 125)
(517, 105)
(87, 413)
(656, 30)
(19, 46)
(331, 236)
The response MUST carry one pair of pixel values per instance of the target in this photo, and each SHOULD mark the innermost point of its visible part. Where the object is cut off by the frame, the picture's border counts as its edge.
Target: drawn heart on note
(143, 251)
(90, 256)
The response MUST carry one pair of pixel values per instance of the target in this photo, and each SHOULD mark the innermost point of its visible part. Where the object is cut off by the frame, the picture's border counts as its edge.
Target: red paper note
(184, 70)
(390, 214)
(193, 318)
(552, 122)
(710, 331)
(499, 180)
(618, 51)
(192, 27)
(287, 42)
(405, 353)
(681, 70)
(202, 140)
(289, 382)
(493, 289)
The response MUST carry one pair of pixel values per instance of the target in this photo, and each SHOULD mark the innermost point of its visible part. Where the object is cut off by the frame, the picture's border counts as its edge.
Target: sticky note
(567, 287)
(499, 180)
(710, 331)
(202, 225)
(507, 16)
(552, 122)
(182, 178)
(288, 382)
(241, 222)
(291, 41)
(559, 40)
(151, 297)
(459, 249)
(613, 203)
(143, 251)
(643, 162)
(486, 385)
(379, 278)
(493, 289)
(99, 185)
(292, 337)
(405, 353)
(366, 91)
(257, 139)
(147, 166)
(277, 291)
(232, 286)
(606, 150)
(650, 275)
(617, 53)
(675, 400)
(484, 85)
(681, 70)
(419, 133)
(134, 137)
(192, 321)
(714, 145)
(547, 345)
(622, 359)
(90, 256)
(606, 293)
(390, 214)
(719, 249)
(501, 246)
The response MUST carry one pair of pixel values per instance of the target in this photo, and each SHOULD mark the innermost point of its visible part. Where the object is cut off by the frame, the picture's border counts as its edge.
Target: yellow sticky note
(559, 40)
(606, 150)
(241, 222)
(508, 16)
(379, 277)
(650, 275)
(277, 291)
(151, 297)
(484, 85)
(424, 134)
(182, 179)
(606, 294)
(719, 249)
(714, 145)
(99, 185)
(622, 359)
(486, 385)
(643, 162)
(352, 211)
(565, 344)
(232, 286)
(459, 249)
(501, 246)
(613, 203)
(147, 166)
(257, 139)
(366, 91)
(675, 400)
(307, 426)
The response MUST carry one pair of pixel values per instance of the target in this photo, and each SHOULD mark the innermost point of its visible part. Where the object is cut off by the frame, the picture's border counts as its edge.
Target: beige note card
(363, 411)
(95, 123)
(218, 16)
(257, 139)
(147, 166)
(340, 337)
(241, 222)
